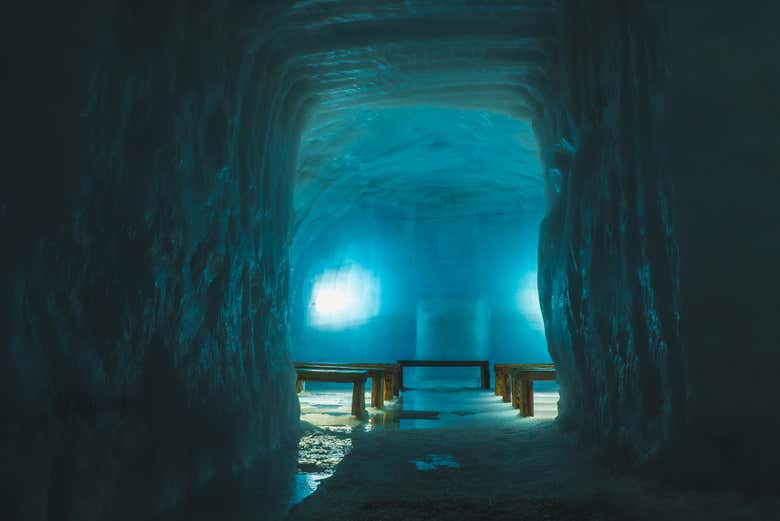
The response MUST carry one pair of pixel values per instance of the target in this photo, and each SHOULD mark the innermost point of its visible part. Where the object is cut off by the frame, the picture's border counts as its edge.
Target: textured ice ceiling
(417, 108)
(419, 162)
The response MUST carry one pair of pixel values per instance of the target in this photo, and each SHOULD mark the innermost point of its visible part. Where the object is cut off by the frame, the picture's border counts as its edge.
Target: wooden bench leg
(506, 396)
(526, 397)
(388, 385)
(497, 375)
(377, 391)
(516, 392)
(485, 376)
(359, 399)
(299, 386)
(400, 377)
(396, 381)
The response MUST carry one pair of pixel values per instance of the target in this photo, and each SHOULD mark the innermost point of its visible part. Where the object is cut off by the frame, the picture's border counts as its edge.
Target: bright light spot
(528, 301)
(343, 298)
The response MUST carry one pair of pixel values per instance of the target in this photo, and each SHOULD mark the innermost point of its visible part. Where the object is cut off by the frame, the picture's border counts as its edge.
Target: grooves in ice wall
(608, 260)
(145, 276)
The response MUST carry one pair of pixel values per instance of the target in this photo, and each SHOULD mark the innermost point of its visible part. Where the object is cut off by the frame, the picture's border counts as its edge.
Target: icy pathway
(329, 427)
(478, 461)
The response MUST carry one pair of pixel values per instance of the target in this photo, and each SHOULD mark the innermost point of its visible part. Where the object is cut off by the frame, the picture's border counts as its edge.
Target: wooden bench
(484, 366)
(381, 378)
(523, 386)
(501, 371)
(392, 374)
(357, 377)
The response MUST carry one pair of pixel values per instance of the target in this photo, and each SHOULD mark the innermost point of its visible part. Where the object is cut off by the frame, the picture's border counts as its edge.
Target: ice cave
(390, 260)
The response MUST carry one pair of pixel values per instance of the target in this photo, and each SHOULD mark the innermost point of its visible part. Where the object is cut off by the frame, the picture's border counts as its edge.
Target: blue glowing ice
(345, 297)
(528, 301)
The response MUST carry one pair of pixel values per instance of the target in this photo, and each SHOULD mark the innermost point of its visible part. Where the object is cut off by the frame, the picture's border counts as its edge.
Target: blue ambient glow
(343, 298)
(441, 205)
(528, 301)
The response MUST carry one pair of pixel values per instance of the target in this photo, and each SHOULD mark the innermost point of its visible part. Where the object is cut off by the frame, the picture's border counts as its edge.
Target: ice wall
(416, 261)
(144, 274)
(609, 275)
(658, 258)
(450, 329)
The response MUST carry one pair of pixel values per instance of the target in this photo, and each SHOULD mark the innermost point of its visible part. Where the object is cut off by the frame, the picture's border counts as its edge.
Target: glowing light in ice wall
(343, 298)
(528, 301)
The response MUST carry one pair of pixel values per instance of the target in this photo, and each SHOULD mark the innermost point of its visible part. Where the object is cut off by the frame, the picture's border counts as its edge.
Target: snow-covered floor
(462, 454)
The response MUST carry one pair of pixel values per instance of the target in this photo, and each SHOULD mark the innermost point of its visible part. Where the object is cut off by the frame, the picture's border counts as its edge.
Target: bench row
(385, 380)
(515, 383)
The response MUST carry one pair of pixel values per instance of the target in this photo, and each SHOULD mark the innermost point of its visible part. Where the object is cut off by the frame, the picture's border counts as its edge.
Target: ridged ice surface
(418, 162)
(417, 108)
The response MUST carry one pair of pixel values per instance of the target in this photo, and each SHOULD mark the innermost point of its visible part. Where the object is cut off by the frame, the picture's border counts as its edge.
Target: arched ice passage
(435, 205)
(183, 148)
(417, 145)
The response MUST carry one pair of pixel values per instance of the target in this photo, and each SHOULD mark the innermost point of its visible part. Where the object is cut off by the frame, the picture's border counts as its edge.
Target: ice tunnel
(429, 203)
(198, 193)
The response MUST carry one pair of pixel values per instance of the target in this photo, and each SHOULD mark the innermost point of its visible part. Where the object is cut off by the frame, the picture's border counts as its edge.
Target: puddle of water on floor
(320, 450)
(419, 415)
(305, 485)
(436, 461)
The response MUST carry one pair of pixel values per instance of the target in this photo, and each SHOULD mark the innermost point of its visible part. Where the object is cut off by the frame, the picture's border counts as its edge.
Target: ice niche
(450, 329)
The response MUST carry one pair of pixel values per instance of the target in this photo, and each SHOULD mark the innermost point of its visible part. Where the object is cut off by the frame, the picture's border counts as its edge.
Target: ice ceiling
(420, 162)
(416, 108)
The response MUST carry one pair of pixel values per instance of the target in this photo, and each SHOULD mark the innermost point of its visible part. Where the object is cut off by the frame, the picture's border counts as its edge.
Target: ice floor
(329, 427)
(451, 453)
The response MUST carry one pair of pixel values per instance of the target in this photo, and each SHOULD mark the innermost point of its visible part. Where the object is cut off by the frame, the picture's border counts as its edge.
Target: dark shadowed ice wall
(608, 260)
(144, 272)
(723, 124)
(659, 257)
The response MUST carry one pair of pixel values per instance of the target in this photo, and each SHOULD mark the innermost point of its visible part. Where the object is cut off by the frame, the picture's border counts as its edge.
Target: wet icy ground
(329, 428)
(461, 454)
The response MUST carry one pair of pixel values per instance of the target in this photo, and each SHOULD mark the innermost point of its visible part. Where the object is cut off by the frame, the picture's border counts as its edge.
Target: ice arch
(437, 202)
(145, 295)
(421, 161)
